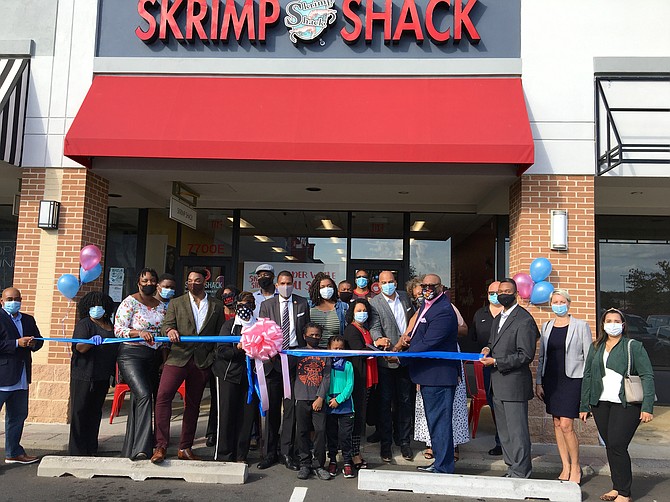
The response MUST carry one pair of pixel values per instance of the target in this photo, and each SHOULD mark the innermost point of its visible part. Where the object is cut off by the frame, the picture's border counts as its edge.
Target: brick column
(42, 256)
(532, 198)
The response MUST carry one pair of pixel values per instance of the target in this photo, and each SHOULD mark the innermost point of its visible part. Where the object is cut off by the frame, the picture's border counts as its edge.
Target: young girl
(340, 421)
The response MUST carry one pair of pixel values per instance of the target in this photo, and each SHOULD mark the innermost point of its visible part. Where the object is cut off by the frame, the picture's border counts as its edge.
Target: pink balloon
(524, 285)
(89, 256)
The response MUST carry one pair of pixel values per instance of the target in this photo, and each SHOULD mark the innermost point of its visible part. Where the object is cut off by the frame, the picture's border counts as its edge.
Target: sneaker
(322, 474)
(332, 469)
(386, 455)
(348, 471)
(407, 452)
(304, 472)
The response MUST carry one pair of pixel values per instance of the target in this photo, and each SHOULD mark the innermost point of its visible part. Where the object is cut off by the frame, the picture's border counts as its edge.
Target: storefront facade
(418, 136)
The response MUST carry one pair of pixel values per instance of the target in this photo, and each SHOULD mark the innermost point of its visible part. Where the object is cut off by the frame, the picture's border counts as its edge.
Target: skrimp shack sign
(329, 28)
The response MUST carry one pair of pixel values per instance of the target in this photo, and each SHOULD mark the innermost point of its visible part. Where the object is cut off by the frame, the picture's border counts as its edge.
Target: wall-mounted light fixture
(48, 215)
(559, 230)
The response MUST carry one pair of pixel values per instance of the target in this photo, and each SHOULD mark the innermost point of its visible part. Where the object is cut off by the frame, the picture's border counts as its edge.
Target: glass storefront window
(8, 229)
(212, 237)
(376, 236)
(303, 242)
(121, 252)
(161, 250)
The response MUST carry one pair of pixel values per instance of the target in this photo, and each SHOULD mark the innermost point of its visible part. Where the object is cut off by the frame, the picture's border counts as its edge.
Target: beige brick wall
(532, 198)
(42, 256)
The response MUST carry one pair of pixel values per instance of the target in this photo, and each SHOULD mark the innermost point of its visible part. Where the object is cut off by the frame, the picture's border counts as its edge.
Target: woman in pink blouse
(140, 315)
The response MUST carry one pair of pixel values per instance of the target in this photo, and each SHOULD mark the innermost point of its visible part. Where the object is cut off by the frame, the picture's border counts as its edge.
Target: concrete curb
(188, 470)
(457, 485)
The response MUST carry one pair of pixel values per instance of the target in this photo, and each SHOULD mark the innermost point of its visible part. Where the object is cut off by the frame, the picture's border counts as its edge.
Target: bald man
(18, 334)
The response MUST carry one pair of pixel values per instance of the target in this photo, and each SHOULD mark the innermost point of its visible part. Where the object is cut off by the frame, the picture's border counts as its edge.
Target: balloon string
(67, 313)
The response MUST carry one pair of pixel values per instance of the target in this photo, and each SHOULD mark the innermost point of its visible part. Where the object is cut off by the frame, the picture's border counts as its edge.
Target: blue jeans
(438, 404)
(15, 415)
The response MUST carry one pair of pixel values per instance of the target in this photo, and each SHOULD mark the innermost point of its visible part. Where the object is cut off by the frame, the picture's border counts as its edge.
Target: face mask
(361, 282)
(338, 363)
(166, 293)
(96, 312)
(327, 293)
(346, 296)
(228, 299)
(560, 309)
(312, 342)
(429, 294)
(361, 317)
(285, 290)
(613, 328)
(196, 289)
(507, 300)
(244, 312)
(389, 288)
(12, 307)
(493, 298)
(148, 290)
(264, 282)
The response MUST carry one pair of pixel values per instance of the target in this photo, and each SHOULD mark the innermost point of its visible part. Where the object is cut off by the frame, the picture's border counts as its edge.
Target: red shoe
(332, 469)
(348, 471)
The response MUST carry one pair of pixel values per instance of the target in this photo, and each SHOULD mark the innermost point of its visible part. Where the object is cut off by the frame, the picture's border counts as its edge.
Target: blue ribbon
(458, 356)
(253, 387)
(160, 339)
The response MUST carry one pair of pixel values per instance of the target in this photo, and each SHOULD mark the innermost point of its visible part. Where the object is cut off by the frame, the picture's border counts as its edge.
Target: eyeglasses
(429, 286)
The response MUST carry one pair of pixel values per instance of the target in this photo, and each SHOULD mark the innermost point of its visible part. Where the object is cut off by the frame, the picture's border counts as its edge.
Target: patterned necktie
(285, 328)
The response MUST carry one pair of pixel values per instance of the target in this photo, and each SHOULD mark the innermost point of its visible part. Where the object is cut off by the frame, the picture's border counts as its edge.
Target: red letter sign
(462, 18)
(354, 19)
(385, 16)
(439, 37)
(168, 14)
(411, 24)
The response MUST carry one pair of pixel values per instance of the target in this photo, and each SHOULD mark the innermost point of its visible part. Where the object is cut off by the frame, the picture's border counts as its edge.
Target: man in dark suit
(510, 351)
(291, 313)
(436, 329)
(192, 314)
(18, 340)
(391, 312)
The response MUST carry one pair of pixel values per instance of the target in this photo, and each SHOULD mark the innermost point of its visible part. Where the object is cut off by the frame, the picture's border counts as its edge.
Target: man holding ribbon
(291, 313)
(436, 329)
(18, 340)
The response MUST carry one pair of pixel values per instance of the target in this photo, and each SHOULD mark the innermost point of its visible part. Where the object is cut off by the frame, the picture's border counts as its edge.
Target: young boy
(340, 423)
(310, 390)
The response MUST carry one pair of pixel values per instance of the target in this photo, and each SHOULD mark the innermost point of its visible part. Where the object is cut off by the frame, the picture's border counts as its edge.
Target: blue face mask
(96, 312)
(361, 282)
(12, 307)
(493, 298)
(166, 293)
(361, 316)
(389, 288)
(560, 309)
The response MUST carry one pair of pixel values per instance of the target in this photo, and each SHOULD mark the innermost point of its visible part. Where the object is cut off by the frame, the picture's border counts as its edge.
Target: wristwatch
(495, 363)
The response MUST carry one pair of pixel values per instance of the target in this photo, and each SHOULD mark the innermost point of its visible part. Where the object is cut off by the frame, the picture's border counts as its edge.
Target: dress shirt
(259, 298)
(504, 315)
(426, 305)
(398, 312)
(293, 339)
(22, 384)
(611, 383)
(199, 311)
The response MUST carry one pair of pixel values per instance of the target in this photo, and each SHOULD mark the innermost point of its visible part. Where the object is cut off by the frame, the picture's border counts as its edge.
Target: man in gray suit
(510, 351)
(291, 313)
(391, 312)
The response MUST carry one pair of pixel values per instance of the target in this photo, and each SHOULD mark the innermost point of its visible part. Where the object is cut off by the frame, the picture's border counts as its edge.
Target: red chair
(477, 392)
(122, 389)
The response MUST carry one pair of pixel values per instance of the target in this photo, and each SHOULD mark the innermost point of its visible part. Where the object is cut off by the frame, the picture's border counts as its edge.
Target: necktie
(285, 328)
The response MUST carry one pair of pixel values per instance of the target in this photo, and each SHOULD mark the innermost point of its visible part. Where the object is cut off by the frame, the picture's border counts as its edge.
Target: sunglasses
(429, 286)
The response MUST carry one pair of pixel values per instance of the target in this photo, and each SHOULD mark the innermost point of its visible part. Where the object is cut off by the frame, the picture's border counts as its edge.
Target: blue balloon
(541, 292)
(68, 285)
(89, 275)
(540, 269)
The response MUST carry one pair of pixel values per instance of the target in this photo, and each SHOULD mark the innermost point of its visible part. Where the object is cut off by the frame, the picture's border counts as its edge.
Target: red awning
(414, 120)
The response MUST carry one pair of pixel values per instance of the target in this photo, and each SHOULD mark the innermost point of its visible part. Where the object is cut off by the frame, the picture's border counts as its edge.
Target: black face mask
(312, 342)
(228, 299)
(264, 282)
(507, 300)
(148, 290)
(196, 289)
(244, 312)
(346, 296)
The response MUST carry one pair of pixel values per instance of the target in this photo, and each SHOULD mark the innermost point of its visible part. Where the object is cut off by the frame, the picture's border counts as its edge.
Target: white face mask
(613, 328)
(326, 293)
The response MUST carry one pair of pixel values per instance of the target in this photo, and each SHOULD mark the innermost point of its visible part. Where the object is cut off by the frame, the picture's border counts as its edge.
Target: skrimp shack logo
(307, 20)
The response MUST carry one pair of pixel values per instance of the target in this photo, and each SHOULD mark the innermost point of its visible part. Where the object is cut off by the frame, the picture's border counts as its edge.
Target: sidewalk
(650, 450)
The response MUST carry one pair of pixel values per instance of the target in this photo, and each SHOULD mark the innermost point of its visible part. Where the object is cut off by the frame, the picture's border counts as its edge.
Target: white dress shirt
(398, 312)
(504, 315)
(199, 311)
(293, 339)
(611, 383)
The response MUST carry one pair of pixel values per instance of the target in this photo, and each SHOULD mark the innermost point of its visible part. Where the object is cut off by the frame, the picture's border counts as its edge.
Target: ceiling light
(290, 258)
(243, 223)
(343, 258)
(278, 249)
(328, 225)
(263, 238)
(419, 226)
(339, 251)
(335, 240)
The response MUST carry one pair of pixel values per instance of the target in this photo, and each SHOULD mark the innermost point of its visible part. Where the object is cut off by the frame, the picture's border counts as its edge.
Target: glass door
(218, 269)
(376, 267)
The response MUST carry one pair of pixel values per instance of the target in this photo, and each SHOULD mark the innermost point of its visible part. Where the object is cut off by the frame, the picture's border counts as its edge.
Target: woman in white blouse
(140, 315)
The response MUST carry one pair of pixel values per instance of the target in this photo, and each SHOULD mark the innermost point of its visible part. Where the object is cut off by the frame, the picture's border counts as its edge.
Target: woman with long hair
(326, 308)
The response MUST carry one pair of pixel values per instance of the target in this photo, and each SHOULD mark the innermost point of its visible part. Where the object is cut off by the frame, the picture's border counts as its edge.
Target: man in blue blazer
(18, 333)
(436, 329)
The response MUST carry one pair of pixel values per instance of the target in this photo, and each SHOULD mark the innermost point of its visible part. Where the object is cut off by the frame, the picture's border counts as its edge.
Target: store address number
(213, 249)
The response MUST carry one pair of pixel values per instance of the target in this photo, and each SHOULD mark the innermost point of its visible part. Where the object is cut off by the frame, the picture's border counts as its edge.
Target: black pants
(138, 365)
(306, 418)
(86, 401)
(213, 408)
(281, 415)
(617, 426)
(339, 428)
(235, 419)
(396, 394)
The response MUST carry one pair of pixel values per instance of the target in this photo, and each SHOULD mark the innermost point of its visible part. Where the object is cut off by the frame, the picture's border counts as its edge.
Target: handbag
(632, 384)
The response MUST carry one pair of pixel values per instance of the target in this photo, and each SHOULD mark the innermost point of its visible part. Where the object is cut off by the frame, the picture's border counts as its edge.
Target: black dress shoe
(496, 452)
(288, 462)
(407, 452)
(267, 462)
(375, 437)
(211, 441)
(386, 455)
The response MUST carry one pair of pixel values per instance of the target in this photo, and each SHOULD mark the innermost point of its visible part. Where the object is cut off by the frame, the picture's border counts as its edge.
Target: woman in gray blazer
(564, 345)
